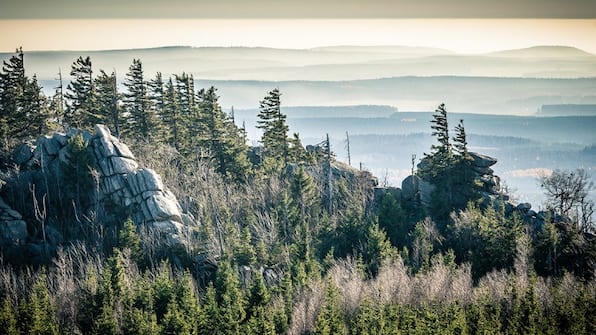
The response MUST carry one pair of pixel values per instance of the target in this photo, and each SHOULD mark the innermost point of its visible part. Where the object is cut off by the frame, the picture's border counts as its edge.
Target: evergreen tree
(275, 130)
(141, 120)
(440, 129)
(12, 85)
(230, 299)
(460, 141)
(42, 313)
(82, 111)
(221, 138)
(172, 117)
(108, 100)
(23, 107)
(330, 319)
(157, 102)
(8, 321)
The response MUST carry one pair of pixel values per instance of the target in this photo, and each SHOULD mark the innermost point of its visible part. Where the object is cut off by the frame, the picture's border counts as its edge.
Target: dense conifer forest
(280, 238)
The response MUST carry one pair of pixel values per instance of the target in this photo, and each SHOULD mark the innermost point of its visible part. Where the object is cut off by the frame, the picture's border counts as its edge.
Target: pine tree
(82, 110)
(141, 120)
(260, 319)
(188, 127)
(172, 117)
(460, 140)
(434, 165)
(441, 130)
(221, 137)
(42, 311)
(230, 299)
(12, 85)
(296, 151)
(108, 100)
(157, 102)
(23, 107)
(8, 321)
(129, 239)
(330, 319)
(275, 130)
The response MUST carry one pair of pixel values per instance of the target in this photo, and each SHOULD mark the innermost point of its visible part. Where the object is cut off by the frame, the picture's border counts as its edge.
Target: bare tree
(567, 194)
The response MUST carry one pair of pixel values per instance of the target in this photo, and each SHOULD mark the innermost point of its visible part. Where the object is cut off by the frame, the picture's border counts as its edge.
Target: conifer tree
(230, 299)
(81, 112)
(108, 100)
(221, 137)
(275, 130)
(330, 319)
(23, 107)
(460, 141)
(172, 117)
(12, 85)
(157, 103)
(441, 130)
(8, 321)
(141, 120)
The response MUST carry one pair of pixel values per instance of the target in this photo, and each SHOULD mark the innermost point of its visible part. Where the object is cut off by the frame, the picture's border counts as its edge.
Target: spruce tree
(221, 138)
(275, 130)
(460, 140)
(12, 85)
(141, 120)
(441, 130)
(157, 104)
(172, 117)
(23, 107)
(108, 100)
(81, 111)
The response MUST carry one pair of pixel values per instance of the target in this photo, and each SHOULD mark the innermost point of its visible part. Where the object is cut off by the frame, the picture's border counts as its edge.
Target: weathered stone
(123, 165)
(64, 155)
(122, 149)
(50, 146)
(151, 180)
(483, 160)
(53, 236)
(483, 170)
(3, 205)
(60, 138)
(163, 207)
(13, 214)
(414, 188)
(23, 153)
(409, 187)
(105, 167)
(13, 232)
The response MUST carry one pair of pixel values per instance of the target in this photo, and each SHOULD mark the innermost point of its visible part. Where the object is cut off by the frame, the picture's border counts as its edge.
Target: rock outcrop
(139, 190)
(124, 186)
(13, 230)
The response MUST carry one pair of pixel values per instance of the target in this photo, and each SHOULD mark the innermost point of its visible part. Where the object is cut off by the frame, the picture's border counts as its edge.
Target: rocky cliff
(123, 187)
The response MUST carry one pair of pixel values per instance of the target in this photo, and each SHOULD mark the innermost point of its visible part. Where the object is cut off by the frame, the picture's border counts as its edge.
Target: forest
(279, 238)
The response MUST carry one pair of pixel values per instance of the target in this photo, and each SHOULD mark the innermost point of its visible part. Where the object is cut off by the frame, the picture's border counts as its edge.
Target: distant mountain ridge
(332, 63)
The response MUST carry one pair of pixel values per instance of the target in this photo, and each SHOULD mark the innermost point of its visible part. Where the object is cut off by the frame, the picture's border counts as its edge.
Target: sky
(467, 26)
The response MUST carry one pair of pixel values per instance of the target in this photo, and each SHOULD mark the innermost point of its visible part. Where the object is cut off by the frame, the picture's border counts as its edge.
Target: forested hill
(143, 210)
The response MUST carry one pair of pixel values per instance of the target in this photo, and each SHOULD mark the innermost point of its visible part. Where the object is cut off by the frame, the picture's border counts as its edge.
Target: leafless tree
(567, 194)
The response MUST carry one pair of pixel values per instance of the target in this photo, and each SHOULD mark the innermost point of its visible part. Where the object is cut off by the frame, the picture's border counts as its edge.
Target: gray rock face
(141, 191)
(13, 230)
(483, 161)
(415, 189)
(137, 191)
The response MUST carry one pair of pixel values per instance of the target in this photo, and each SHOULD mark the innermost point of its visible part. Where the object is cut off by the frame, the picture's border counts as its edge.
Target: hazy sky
(12, 9)
(470, 26)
